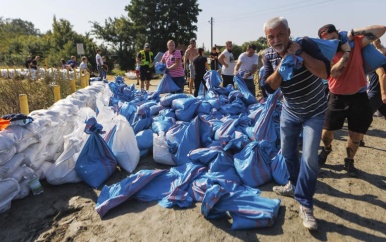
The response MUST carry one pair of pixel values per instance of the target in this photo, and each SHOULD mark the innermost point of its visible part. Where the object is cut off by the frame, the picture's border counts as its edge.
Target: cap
(329, 28)
(147, 45)
(192, 40)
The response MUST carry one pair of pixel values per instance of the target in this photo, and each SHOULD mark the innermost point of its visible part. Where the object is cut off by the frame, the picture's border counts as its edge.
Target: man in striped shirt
(304, 107)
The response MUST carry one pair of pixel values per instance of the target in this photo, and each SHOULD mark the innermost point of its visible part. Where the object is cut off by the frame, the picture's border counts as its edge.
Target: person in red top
(347, 96)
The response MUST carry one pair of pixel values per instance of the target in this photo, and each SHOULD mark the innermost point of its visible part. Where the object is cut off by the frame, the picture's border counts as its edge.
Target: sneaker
(323, 155)
(287, 190)
(350, 168)
(361, 143)
(309, 220)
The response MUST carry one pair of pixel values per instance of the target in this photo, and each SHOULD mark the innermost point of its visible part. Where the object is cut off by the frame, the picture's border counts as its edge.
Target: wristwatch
(298, 52)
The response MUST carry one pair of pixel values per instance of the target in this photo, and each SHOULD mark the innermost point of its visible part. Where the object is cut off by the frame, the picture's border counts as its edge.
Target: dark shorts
(145, 74)
(227, 80)
(356, 108)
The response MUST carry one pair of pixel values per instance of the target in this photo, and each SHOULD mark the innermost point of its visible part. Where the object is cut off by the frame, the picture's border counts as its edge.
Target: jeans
(302, 170)
(100, 70)
(180, 82)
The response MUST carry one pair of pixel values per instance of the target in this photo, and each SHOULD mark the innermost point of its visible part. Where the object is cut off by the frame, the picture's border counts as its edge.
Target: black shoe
(350, 168)
(323, 155)
(362, 143)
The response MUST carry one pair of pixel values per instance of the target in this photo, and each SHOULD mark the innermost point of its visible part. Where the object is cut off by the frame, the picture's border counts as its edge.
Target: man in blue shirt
(304, 106)
(72, 62)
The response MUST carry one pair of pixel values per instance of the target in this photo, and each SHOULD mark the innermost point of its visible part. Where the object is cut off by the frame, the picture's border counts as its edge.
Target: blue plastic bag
(167, 85)
(248, 97)
(160, 68)
(96, 162)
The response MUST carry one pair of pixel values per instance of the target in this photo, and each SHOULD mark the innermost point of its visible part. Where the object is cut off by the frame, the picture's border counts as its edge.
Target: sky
(236, 20)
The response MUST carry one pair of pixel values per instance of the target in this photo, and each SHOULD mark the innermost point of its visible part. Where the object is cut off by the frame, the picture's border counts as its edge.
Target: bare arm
(275, 79)
(238, 64)
(315, 66)
(382, 82)
(371, 33)
(221, 60)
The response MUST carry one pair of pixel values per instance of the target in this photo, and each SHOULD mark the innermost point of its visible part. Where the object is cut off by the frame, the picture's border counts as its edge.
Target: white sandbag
(13, 163)
(26, 143)
(9, 188)
(32, 151)
(39, 160)
(63, 170)
(5, 145)
(53, 149)
(44, 168)
(124, 144)
(20, 173)
(38, 125)
(24, 190)
(6, 155)
(161, 152)
(51, 115)
(17, 133)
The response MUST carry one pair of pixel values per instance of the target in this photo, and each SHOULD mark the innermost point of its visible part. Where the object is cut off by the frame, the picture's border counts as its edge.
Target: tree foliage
(162, 20)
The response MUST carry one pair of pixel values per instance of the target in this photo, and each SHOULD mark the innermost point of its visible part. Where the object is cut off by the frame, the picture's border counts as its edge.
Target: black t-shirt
(34, 64)
(199, 65)
(213, 63)
(27, 63)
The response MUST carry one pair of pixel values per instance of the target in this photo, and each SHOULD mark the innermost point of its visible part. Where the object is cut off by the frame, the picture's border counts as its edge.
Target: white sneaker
(309, 220)
(287, 190)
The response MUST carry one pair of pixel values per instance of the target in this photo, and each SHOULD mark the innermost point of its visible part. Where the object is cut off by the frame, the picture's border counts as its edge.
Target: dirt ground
(347, 209)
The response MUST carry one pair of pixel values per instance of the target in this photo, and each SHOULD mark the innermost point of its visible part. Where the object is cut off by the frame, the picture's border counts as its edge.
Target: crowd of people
(317, 99)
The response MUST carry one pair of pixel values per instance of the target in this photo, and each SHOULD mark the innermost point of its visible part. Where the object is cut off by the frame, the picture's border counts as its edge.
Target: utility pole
(211, 32)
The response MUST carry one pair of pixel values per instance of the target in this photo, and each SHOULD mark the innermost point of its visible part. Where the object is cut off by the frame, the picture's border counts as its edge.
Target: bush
(40, 93)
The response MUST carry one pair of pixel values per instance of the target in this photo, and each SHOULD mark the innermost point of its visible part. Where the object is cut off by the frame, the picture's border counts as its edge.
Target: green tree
(162, 20)
(119, 35)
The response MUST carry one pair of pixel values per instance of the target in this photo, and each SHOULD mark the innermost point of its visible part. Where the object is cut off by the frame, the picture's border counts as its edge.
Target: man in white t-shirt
(227, 61)
(247, 63)
(99, 62)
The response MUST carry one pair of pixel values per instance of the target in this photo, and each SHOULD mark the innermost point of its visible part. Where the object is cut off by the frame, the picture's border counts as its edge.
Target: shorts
(137, 72)
(145, 73)
(191, 70)
(356, 108)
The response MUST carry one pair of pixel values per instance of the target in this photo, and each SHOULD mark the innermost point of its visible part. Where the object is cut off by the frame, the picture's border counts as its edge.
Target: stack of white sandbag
(48, 147)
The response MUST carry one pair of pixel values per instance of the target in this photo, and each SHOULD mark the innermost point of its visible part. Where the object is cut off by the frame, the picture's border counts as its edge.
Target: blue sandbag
(220, 163)
(167, 85)
(128, 111)
(279, 169)
(183, 103)
(247, 209)
(204, 107)
(167, 100)
(154, 110)
(197, 135)
(372, 58)
(160, 68)
(96, 161)
(234, 108)
(187, 114)
(252, 163)
(249, 98)
(327, 47)
(289, 65)
(144, 139)
(142, 124)
(162, 124)
(112, 196)
(212, 79)
(174, 135)
(179, 194)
